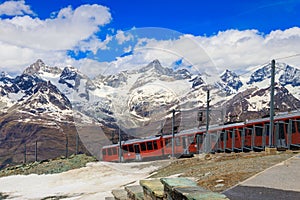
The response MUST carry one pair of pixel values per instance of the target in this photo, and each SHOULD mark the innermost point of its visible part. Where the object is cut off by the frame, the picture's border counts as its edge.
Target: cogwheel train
(252, 135)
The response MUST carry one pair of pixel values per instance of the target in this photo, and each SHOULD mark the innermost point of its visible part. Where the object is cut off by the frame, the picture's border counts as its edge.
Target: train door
(137, 152)
(258, 136)
(297, 138)
(266, 132)
(280, 134)
(199, 142)
(228, 140)
(168, 145)
(248, 141)
(238, 139)
(235, 140)
(214, 137)
(178, 146)
(221, 142)
(293, 133)
(185, 145)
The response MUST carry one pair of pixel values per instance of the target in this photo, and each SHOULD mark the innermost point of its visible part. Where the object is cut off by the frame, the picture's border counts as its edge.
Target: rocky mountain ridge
(54, 97)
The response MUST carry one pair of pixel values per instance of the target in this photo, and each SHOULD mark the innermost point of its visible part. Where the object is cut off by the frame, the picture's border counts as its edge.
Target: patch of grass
(49, 166)
(3, 196)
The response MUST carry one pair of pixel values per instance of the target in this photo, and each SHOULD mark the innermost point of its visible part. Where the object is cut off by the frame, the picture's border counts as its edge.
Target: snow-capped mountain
(135, 97)
(286, 75)
(230, 82)
(142, 97)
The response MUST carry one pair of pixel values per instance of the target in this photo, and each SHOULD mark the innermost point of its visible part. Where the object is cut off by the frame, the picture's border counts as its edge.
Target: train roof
(151, 138)
(214, 127)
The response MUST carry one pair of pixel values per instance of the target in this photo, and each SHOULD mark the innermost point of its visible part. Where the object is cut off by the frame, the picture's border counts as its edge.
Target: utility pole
(76, 143)
(35, 152)
(120, 146)
(173, 134)
(207, 111)
(206, 141)
(272, 105)
(25, 151)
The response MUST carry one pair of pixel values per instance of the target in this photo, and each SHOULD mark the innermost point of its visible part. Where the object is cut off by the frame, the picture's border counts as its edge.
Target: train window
(293, 127)
(104, 152)
(229, 134)
(137, 148)
(143, 146)
(258, 131)
(298, 125)
(155, 144)
(109, 152)
(267, 128)
(125, 148)
(249, 130)
(222, 136)
(114, 151)
(149, 145)
(236, 132)
(191, 139)
(281, 130)
(240, 131)
(286, 122)
(130, 148)
(168, 141)
(199, 139)
(177, 141)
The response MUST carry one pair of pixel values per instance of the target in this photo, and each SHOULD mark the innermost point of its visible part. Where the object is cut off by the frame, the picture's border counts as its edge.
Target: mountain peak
(35, 67)
(231, 79)
(39, 67)
(156, 67)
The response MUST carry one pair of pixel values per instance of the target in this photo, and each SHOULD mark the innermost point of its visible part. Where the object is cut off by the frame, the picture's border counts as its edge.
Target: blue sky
(93, 34)
(191, 16)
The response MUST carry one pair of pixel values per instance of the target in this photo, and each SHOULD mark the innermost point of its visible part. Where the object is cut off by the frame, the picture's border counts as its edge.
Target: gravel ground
(219, 172)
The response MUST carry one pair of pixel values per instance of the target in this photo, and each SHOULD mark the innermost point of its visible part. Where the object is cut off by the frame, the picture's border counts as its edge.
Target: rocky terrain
(216, 172)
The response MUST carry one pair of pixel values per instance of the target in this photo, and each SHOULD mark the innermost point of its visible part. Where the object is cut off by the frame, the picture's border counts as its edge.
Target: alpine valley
(55, 108)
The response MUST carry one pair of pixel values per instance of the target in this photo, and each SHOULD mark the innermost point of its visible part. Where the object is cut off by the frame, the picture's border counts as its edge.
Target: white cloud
(230, 49)
(94, 44)
(122, 36)
(24, 39)
(13, 8)
(60, 33)
(240, 49)
(127, 49)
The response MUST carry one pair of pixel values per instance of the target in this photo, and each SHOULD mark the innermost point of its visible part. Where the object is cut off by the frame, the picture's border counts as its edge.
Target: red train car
(242, 136)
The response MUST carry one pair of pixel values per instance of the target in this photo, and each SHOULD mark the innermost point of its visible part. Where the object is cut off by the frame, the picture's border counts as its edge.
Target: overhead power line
(291, 56)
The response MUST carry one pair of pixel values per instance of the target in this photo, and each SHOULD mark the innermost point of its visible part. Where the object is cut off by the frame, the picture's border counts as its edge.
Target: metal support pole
(67, 148)
(264, 136)
(207, 122)
(173, 134)
(198, 144)
(207, 111)
(272, 104)
(77, 141)
(120, 146)
(276, 139)
(233, 140)
(243, 138)
(222, 115)
(25, 152)
(253, 138)
(225, 140)
(35, 151)
(289, 134)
